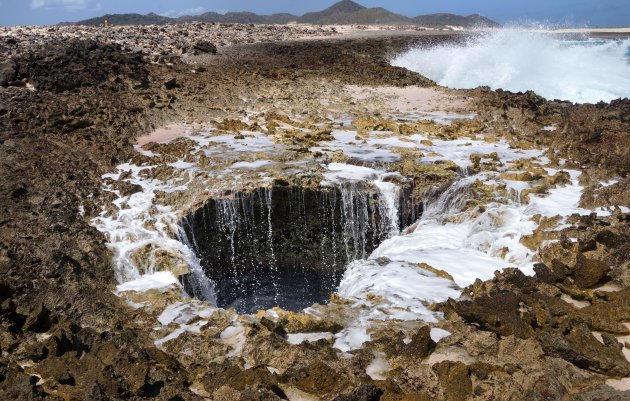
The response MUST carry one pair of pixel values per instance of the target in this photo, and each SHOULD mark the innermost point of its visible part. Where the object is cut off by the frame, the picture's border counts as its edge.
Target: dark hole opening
(287, 246)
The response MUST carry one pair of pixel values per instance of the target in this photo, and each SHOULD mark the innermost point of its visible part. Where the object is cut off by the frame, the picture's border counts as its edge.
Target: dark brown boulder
(581, 348)
(39, 320)
(365, 392)
(589, 272)
(8, 72)
(497, 313)
(317, 378)
(171, 84)
(602, 393)
(455, 380)
(205, 47)
(546, 274)
(421, 344)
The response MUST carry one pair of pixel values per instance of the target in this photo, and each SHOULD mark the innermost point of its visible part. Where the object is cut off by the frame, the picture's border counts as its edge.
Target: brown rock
(608, 238)
(589, 272)
(365, 392)
(8, 72)
(421, 344)
(317, 378)
(273, 327)
(455, 380)
(171, 84)
(232, 375)
(39, 320)
(557, 273)
(497, 313)
(205, 47)
(604, 393)
(581, 348)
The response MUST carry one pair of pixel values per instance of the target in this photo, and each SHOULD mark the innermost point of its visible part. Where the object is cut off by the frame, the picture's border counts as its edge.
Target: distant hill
(241, 18)
(154, 19)
(344, 7)
(349, 12)
(342, 13)
(455, 20)
(334, 12)
(375, 16)
(126, 19)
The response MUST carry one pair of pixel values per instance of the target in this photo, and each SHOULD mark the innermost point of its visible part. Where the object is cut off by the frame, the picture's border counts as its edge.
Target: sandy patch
(620, 385)
(578, 304)
(449, 354)
(609, 287)
(165, 134)
(623, 340)
(412, 98)
(598, 336)
(295, 394)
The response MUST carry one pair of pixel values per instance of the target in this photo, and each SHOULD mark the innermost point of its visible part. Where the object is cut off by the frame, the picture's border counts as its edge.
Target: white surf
(580, 71)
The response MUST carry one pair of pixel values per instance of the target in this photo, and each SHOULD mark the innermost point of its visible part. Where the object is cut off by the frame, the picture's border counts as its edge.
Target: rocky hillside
(241, 18)
(125, 19)
(442, 19)
(343, 12)
(349, 12)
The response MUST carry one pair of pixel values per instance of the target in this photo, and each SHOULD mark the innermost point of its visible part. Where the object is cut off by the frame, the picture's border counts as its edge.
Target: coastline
(68, 147)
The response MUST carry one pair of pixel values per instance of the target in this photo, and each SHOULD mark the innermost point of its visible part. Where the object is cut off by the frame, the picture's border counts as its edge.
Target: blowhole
(287, 245)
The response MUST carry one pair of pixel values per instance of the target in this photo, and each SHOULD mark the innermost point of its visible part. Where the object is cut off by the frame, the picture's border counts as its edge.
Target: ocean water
(581, 71)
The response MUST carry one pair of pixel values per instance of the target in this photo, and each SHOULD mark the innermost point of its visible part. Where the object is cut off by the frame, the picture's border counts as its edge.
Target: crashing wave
(580, 71)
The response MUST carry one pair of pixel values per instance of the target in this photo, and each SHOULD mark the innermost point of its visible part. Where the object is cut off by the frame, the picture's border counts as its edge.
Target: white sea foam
(470, 245)
(437, 334)
(299, 338)
(346, 172)
(157, 280)
(465, 243)
(390, 285)
(382, 146)
(519, 60)
(379, 367)
(252, 165)
(133, 229)
(182, 313)
(234, 336)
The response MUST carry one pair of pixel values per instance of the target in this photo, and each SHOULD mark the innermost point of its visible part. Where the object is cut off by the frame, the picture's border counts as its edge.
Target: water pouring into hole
(289, 246)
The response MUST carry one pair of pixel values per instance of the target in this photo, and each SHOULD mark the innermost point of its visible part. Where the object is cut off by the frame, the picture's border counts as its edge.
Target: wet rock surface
(65, 335)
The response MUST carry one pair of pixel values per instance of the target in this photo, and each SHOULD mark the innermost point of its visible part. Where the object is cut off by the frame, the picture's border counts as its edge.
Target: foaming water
(581, 71)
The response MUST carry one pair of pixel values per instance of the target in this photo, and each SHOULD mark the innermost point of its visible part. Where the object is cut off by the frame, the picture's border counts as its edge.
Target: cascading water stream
(449, 202)
(200, 286)
(228, 218)
(356, 218)
(390, 200)
(272, 260)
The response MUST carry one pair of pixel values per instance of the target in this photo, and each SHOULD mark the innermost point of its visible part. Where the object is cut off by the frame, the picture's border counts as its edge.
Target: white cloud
(189, 11)
(70, 5)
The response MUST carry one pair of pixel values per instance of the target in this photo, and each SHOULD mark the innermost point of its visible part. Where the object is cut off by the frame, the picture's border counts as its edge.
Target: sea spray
(581, 71)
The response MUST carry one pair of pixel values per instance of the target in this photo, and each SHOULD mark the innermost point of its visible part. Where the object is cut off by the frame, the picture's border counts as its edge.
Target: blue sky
(573, 12)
